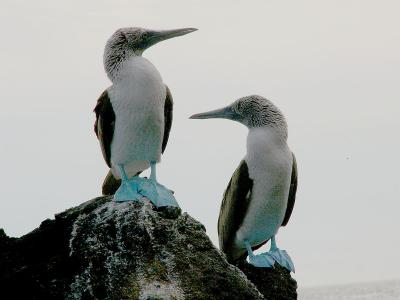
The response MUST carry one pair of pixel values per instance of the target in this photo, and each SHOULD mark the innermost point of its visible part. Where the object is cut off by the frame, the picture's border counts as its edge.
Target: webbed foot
(282, 258)
(262, 260)
(268, 259)
(128, 191)
(158, 194)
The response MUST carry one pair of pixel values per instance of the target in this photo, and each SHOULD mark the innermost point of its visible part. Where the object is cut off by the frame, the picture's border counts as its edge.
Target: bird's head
(132, 41)
(252, 111)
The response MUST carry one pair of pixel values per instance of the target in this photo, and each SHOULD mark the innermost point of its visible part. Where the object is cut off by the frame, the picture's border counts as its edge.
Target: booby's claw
(262, 260)
(158, 194)
(128, 191)
(282, 258)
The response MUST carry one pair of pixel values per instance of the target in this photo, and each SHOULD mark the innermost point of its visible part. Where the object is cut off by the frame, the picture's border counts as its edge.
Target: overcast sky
(332, 67)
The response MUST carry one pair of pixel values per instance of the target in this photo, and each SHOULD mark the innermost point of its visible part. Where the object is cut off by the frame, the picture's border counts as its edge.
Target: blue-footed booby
(261, 193)
(134, 115)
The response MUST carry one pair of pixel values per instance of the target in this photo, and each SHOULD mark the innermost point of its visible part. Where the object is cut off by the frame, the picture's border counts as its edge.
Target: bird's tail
(110, 184)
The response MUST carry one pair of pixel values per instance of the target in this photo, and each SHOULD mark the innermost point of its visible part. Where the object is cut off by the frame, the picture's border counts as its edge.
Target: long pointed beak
(162, 35)
(222, 113)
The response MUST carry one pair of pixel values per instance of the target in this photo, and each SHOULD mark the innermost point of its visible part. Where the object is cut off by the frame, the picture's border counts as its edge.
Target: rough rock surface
(273, 283)
(107, 250)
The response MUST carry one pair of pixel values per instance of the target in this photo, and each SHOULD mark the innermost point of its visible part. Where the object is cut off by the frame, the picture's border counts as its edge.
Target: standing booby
(261, 193)
(134, 115)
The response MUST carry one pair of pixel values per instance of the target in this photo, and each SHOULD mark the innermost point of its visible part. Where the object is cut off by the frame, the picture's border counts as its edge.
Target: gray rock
(107, 250)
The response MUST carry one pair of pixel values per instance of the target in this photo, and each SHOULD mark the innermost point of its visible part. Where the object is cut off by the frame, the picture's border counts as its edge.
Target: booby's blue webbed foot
(128, 190)
(282, 258)
(268, 259)
(279, 256)
(158, 194)
(260, 261)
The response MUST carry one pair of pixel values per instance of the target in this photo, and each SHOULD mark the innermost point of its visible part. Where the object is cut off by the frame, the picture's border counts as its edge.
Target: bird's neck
(261, 140)
(114, 62)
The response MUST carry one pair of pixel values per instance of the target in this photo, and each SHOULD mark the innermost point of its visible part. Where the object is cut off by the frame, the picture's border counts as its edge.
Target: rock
(273, 283)
(107, 250)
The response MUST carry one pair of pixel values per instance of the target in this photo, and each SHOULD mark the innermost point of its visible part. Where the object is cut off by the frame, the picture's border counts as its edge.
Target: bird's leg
(273, 244)
(158, 194)
(153, 174)
(128, 190)
(249, 250)
(280, 256)
(122, 173)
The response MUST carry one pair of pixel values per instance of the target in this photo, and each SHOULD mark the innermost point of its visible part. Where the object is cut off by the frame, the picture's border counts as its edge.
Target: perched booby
(261, 193)
(134, 115)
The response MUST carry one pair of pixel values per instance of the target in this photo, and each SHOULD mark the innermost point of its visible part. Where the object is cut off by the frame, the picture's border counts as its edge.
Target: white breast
(269, 161)
(137, 97)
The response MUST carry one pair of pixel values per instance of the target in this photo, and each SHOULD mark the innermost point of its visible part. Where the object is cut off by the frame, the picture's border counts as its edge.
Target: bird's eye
(144, 35)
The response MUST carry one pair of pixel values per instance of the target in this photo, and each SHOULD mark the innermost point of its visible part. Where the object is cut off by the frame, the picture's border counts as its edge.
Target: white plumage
(269, 161)
(134, 116)
(260, 196)
(137, 96)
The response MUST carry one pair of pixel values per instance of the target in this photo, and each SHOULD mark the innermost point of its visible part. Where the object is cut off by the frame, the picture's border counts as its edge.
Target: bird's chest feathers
(139, 92)
(137, 97)
(269, 164)
(268, 157)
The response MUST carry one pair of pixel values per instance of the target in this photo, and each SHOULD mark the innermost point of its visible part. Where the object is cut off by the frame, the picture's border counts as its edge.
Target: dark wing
(233, 209)
(104, 125)
(168, 107)
(292, 193)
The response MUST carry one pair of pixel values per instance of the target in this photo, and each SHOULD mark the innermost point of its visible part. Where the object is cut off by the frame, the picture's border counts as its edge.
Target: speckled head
(252, 111)
(132, 41)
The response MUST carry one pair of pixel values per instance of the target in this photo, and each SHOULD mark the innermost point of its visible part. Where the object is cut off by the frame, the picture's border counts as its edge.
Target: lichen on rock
(131, 250)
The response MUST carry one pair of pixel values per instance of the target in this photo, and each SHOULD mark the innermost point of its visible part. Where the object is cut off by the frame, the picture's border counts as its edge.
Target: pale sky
(332, 67)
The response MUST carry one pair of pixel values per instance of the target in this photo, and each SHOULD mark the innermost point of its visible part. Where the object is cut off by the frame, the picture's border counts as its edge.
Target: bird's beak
(156, 36)
(222, 113)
